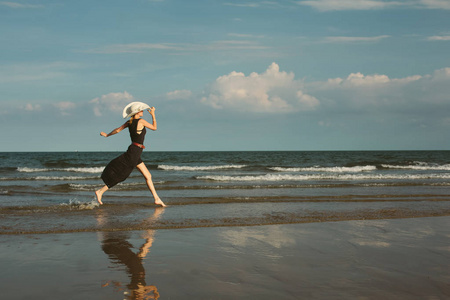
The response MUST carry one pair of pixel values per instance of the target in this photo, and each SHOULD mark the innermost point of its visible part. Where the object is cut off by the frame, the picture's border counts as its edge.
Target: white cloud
(360, 80)
(415, 94)
(132, 48)
(436, 4)
(35, 71)
(31, 107)
(220, 45)
(353, 39)
(257, 4)
(64, 107)
(439, 38)
(179, 95)
(330, 5)
(243, 35)
(340, 5)
(441, 74)
(273, 91)
(308, 102)
(231, 45)
(45, 108)
(242, 4)
(114, 102)
(20, 5)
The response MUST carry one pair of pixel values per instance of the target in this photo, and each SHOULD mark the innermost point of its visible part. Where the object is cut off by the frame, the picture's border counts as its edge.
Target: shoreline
(109, 218)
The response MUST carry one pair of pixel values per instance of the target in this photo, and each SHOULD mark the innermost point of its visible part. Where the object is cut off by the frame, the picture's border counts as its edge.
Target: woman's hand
(151, 110)
(103, 134)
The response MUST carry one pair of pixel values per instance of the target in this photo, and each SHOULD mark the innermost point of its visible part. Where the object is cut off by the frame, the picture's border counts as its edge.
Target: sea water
(222, 188)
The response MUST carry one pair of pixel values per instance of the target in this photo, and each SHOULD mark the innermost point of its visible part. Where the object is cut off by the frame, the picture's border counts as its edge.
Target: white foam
(355, 169)
(79, 170)
(75, 204)
(83, 187)
(419, 166)
(84, 170)
(199, 168)
(60, 178)
(290, 177)
(31, 170)
(266, 177)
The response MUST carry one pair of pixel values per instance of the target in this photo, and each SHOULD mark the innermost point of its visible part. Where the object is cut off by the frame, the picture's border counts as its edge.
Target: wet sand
(362, 259)
(126, 216)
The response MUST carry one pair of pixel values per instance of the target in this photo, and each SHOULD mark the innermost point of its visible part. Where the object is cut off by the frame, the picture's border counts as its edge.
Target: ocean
(53, 192)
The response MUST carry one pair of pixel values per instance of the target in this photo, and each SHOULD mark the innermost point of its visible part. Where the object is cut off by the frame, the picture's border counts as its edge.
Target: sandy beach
(365, 259)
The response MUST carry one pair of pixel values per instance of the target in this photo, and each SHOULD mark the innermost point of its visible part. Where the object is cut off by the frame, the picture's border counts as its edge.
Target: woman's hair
(131, 119)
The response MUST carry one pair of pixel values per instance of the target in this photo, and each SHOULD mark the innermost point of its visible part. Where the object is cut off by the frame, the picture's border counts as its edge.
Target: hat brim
(128, 111)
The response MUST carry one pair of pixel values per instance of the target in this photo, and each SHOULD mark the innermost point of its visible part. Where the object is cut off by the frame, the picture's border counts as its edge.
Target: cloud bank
(272, 91)
(414, 95)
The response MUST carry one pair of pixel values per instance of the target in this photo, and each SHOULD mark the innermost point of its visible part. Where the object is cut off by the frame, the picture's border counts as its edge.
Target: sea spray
(77, 205)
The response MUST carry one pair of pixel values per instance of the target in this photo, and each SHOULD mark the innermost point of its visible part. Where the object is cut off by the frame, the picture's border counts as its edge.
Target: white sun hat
(133, 108)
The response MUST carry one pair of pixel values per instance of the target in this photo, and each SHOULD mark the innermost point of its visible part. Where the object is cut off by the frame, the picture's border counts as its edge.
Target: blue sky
(226, 75)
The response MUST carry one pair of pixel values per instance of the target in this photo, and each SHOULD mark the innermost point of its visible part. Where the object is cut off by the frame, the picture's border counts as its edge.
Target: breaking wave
(199, 168)
(355, 169)
(76, 170)
(289, 177)
(43, 178)
(419, 166)
(120, 186)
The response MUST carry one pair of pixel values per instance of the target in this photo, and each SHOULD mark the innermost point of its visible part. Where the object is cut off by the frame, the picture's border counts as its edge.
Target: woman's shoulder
(141, 122)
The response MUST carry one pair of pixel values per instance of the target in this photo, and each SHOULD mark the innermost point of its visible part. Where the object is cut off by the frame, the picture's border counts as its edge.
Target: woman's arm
(117, 130)
(153, 125)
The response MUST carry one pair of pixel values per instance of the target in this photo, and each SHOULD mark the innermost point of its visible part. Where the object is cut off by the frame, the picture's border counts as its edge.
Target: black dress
(121, 167)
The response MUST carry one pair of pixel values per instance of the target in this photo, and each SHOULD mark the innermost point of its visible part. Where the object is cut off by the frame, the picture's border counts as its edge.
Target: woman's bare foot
(158, 201)
(99, 194)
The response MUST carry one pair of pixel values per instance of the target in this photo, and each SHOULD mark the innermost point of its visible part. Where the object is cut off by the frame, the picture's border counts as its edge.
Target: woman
(121, 167)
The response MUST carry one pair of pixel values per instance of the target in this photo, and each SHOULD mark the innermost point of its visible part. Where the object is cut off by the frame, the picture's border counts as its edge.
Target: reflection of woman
(120, 251)
(121, 167)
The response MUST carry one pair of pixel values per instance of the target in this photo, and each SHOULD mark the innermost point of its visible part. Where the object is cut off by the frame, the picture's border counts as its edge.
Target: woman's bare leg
(148, 178)
(99, 194)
